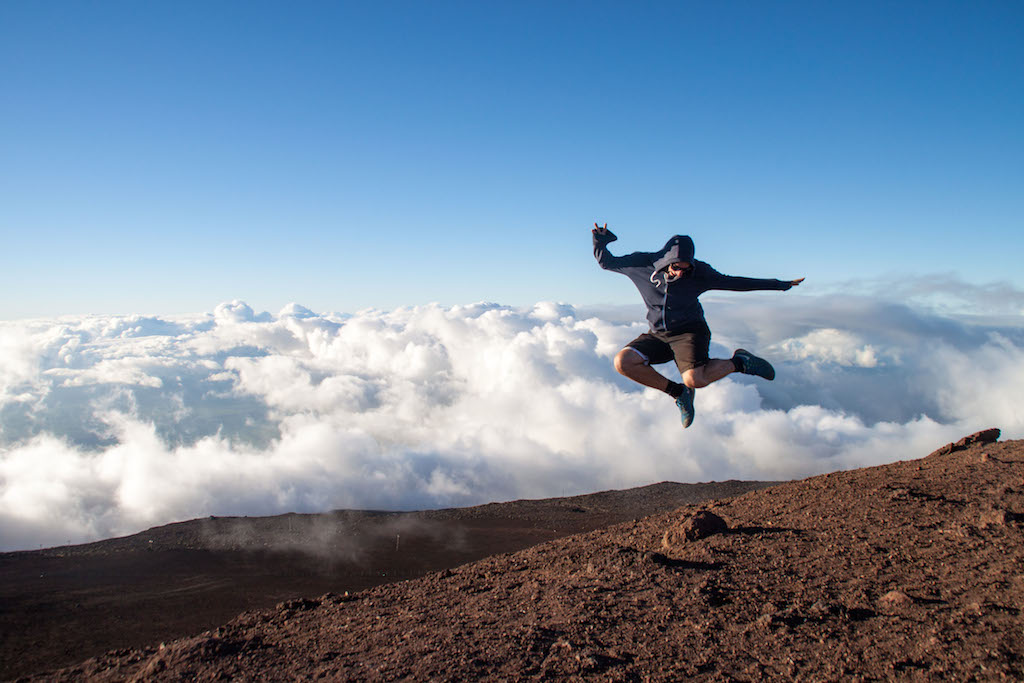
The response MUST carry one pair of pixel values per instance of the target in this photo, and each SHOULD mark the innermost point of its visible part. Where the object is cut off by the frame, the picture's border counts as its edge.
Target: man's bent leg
(712, 371)
(632, 364)
(629, 363)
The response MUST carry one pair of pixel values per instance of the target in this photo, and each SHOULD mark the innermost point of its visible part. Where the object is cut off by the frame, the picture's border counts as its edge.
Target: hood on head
(679, 248)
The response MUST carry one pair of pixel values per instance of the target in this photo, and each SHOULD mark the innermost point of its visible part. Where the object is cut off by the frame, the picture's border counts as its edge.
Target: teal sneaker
(752, 365)
(685, 403)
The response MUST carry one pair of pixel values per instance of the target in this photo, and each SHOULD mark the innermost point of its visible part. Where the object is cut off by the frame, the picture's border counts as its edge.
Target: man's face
(679, 269)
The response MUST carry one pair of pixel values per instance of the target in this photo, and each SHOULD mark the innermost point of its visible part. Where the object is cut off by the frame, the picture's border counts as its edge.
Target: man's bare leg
(712, 371)
(629, 363)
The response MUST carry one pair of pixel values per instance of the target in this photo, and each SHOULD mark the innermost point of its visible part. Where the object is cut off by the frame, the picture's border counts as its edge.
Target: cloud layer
(112, 424)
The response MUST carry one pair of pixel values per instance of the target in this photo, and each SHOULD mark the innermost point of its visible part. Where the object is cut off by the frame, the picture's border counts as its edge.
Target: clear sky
(179, 168)
(164, 157)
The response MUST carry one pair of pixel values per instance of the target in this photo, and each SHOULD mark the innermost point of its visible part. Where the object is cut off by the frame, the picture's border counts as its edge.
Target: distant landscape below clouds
(111, 424)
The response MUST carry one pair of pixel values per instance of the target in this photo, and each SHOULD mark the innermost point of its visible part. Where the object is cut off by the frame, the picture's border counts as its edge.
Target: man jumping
(670, 280)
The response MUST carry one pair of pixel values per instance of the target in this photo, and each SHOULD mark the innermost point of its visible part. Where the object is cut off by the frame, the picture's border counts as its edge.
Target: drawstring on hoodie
(664, 300)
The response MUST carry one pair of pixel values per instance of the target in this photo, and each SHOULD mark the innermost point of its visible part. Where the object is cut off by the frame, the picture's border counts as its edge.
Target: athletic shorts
(688, 349)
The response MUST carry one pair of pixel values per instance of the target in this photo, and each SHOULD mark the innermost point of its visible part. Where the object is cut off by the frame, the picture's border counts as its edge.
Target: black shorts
(688, 349)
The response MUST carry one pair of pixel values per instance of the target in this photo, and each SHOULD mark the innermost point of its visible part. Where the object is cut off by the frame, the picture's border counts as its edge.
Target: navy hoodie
(672, 307)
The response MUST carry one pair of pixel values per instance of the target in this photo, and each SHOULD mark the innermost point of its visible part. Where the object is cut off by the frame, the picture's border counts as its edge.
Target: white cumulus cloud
(110, 424)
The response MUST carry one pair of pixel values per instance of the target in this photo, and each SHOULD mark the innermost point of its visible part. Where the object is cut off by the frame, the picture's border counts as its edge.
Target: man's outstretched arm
(748, 284)
(602, 238)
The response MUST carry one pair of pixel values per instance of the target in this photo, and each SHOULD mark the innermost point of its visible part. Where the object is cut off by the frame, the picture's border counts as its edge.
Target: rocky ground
(62, 605)
(908, 571)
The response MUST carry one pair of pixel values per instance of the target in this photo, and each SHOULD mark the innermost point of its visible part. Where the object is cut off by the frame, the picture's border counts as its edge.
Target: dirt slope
(62, 605)
(910, 570)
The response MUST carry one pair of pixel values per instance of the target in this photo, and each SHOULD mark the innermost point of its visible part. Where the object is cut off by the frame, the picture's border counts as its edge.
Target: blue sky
(160, 160)
(164, 157)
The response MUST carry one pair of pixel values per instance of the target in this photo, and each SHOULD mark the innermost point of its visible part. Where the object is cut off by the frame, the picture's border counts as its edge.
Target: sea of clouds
(112, 424)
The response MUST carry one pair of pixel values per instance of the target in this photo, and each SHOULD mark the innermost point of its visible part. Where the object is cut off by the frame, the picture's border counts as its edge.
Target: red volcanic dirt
(910, 570)
(62, 605)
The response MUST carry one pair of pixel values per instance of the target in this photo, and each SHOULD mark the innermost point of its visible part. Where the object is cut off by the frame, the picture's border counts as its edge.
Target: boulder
(700, 525)
(984, 436)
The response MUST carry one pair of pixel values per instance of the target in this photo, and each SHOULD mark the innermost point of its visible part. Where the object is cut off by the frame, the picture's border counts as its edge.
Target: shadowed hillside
(61, 605)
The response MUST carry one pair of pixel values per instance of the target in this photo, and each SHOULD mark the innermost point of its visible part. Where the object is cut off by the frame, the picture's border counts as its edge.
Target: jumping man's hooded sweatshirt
(672, 307)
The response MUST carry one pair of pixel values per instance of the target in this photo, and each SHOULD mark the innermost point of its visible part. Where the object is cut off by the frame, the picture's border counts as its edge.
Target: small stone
(895, 600)
(993, 516)
(656, 558)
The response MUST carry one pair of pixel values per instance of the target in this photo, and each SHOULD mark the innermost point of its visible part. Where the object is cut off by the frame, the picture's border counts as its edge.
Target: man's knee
(694, 378)
(626, 359)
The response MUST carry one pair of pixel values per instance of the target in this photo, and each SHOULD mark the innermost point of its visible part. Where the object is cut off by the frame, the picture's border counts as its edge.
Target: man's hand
(792, 283)
(603, 231)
